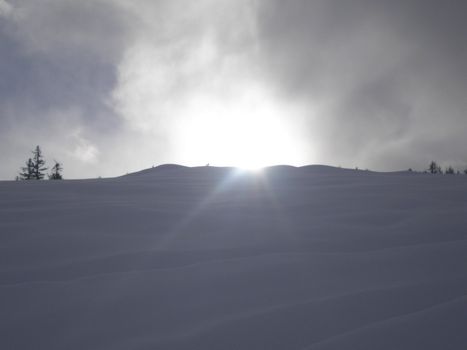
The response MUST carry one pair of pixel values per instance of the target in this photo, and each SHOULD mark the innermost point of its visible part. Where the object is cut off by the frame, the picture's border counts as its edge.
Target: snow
(218, 258)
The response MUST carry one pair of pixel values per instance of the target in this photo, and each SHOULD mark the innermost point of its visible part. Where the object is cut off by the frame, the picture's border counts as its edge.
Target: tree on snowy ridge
(434, 168)
(450, 170)
(39, 164)
(35, 166)
(56, 172)
(27, 171)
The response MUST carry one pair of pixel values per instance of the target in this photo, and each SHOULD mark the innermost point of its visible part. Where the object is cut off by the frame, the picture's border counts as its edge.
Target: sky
(108, 87)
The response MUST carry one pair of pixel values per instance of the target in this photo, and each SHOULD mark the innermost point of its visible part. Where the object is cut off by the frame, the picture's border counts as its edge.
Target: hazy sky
(113, 86)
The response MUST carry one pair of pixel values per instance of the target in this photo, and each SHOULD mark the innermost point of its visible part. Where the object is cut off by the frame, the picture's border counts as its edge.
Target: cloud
(187, 79)
(58, 68)
(388, 77)
(84, 150)
(110, 86)
(5, 8)
(170, 61)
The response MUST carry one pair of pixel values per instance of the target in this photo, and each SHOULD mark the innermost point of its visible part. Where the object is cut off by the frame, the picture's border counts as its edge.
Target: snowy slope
(215, 258)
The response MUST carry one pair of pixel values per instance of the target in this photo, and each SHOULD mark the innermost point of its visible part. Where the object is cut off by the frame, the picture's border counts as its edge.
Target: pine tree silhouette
(56, 172)
(28, 171)
(450, 170)
(35, 166)
(39, 164)
(435, 168)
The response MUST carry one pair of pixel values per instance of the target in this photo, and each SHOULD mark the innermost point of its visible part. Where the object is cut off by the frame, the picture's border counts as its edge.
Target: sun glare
(249, 132)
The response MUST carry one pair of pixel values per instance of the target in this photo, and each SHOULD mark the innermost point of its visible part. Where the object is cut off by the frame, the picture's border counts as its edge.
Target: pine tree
(56, 172)
(450, 170)
(39, 164)
(435, 168)
(35, 166)
(28, 171)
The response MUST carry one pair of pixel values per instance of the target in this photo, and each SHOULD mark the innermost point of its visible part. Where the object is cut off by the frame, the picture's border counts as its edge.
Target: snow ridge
(175, 257)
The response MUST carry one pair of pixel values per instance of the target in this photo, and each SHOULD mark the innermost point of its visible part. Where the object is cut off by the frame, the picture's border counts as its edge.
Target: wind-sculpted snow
(174, 257)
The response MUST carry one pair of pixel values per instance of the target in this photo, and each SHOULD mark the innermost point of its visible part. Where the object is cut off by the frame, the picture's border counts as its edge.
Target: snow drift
(217, 258)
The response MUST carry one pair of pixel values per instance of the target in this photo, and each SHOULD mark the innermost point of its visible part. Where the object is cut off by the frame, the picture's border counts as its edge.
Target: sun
(249, 131)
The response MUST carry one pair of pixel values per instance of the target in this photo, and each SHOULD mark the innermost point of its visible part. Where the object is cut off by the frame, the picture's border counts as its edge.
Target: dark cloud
(390, 75)
(58, 68)
(57, 54)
